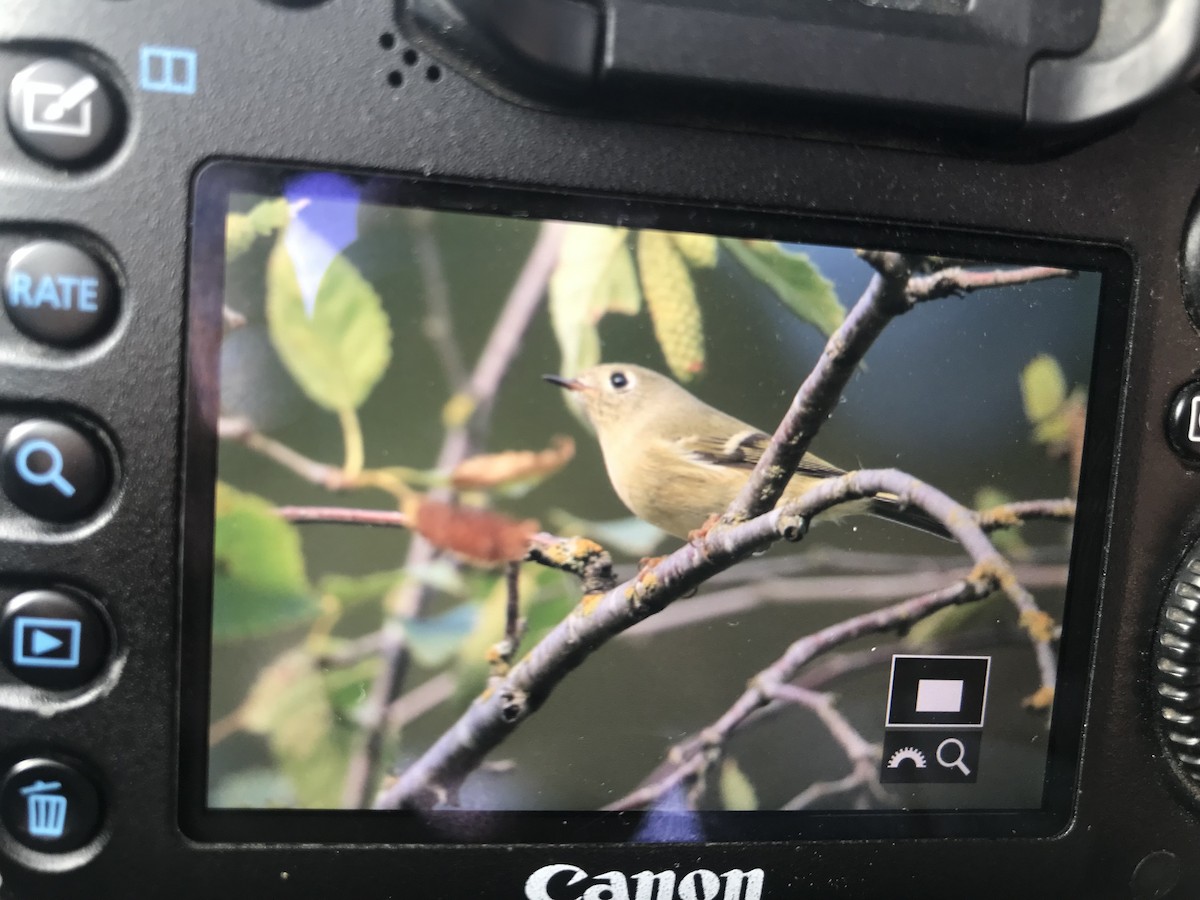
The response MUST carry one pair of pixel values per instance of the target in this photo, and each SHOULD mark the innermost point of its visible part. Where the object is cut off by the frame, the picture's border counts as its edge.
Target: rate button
(58, 294)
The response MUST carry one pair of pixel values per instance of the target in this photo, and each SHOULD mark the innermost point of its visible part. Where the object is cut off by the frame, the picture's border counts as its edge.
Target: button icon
(61, 112)
(46, 643)
(46, 811)
(49, 806)
(954, 751)
(1183, 422)
(938, 691)
(167, 70)
(53, 639)
(50, 108)
(59, 294)
(50, 473)
(53, 471)
(930, 757)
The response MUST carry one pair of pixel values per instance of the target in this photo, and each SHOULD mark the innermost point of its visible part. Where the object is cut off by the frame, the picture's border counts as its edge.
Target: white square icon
(939, 695)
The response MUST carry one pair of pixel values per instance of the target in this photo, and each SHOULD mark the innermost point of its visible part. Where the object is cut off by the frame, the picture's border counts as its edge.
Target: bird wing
(744, 449)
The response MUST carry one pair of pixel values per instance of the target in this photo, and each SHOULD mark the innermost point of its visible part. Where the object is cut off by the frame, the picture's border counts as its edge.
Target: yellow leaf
(458, 410)
(671, 299)
(698, 249)
(737, 793)
(1043, 388)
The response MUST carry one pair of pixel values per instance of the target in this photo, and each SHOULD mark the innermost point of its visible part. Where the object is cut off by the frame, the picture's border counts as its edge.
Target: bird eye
(618, 380)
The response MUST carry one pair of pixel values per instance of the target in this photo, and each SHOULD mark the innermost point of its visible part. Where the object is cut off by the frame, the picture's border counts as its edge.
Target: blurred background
(940, 396)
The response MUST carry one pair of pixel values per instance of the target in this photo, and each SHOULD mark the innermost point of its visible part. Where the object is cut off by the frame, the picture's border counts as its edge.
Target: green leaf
(794, 279)
(243, 229)
(1043, 388)
(957, 619)
(352, 589)
(737, 793)
(258, 788)
(440, 575)
(289, 705)
(594, 276)
(1056, 429)
(347, 687)
(260, 586)
(630, 536)
(339, 353)
(435, 640)
(269, 216)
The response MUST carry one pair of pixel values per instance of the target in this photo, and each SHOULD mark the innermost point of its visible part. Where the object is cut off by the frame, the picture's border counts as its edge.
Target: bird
(675, 461)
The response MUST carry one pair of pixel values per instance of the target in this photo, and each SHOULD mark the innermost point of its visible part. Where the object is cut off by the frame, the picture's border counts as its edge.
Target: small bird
(675, 461)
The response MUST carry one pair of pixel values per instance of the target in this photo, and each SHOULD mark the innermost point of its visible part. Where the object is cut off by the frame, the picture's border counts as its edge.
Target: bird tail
(888, 506)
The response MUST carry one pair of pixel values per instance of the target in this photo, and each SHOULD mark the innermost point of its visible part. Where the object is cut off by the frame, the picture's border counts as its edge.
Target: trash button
(49, 806)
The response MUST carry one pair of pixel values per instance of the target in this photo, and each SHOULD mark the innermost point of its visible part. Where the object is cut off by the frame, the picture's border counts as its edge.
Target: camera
(600, 449)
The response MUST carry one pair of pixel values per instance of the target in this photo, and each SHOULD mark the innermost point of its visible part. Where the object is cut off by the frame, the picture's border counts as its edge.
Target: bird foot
(699, 534)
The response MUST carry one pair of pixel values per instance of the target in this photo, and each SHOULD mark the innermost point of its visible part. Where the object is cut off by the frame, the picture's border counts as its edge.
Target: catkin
(671, 299)
(698, 249)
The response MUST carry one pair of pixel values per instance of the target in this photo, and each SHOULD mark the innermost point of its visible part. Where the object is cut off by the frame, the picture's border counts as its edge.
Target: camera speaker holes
(433, 73)
(410, 57)
(387, 40)
(395, 78)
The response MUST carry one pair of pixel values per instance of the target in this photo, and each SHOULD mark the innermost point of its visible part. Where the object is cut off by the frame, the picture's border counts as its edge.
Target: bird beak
(570, 384)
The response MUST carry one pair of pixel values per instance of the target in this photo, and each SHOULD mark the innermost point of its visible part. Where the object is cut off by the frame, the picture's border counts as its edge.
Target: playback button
(52, 639)
(54, 471)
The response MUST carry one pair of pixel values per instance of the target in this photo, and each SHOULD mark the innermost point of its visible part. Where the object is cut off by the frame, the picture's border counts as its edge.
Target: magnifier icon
(954, 758)
(51, 474)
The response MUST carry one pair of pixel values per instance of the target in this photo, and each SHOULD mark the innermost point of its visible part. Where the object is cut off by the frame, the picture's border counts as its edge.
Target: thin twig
(524, 299)
(690, 758)
(956, 280)
(243, 432)
(342, 515)
(438, 326)
(424, 698)
(726, 605)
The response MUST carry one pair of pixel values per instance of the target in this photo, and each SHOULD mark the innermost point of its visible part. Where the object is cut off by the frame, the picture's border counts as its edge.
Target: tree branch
(893, 290)
(435, 777)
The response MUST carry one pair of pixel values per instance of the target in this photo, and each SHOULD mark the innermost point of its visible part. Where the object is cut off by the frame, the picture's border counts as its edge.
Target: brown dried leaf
(480, 536)
(492, 469)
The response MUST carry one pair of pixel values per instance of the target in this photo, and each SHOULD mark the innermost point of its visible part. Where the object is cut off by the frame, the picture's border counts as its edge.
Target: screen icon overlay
(935, 716)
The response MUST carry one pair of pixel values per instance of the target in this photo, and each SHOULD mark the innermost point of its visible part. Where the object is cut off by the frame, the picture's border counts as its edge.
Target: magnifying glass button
(54, 471)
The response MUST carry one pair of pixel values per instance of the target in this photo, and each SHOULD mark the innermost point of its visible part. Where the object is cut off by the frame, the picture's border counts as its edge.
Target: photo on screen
(491, 534)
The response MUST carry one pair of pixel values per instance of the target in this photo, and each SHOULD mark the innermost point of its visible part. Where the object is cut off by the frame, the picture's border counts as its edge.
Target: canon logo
(565, 882)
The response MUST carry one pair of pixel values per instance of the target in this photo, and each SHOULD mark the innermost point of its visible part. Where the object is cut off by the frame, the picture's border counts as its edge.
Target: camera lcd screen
(446, 443)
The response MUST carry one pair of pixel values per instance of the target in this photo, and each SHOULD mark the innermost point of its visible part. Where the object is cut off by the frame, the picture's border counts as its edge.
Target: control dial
(1177, 665)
